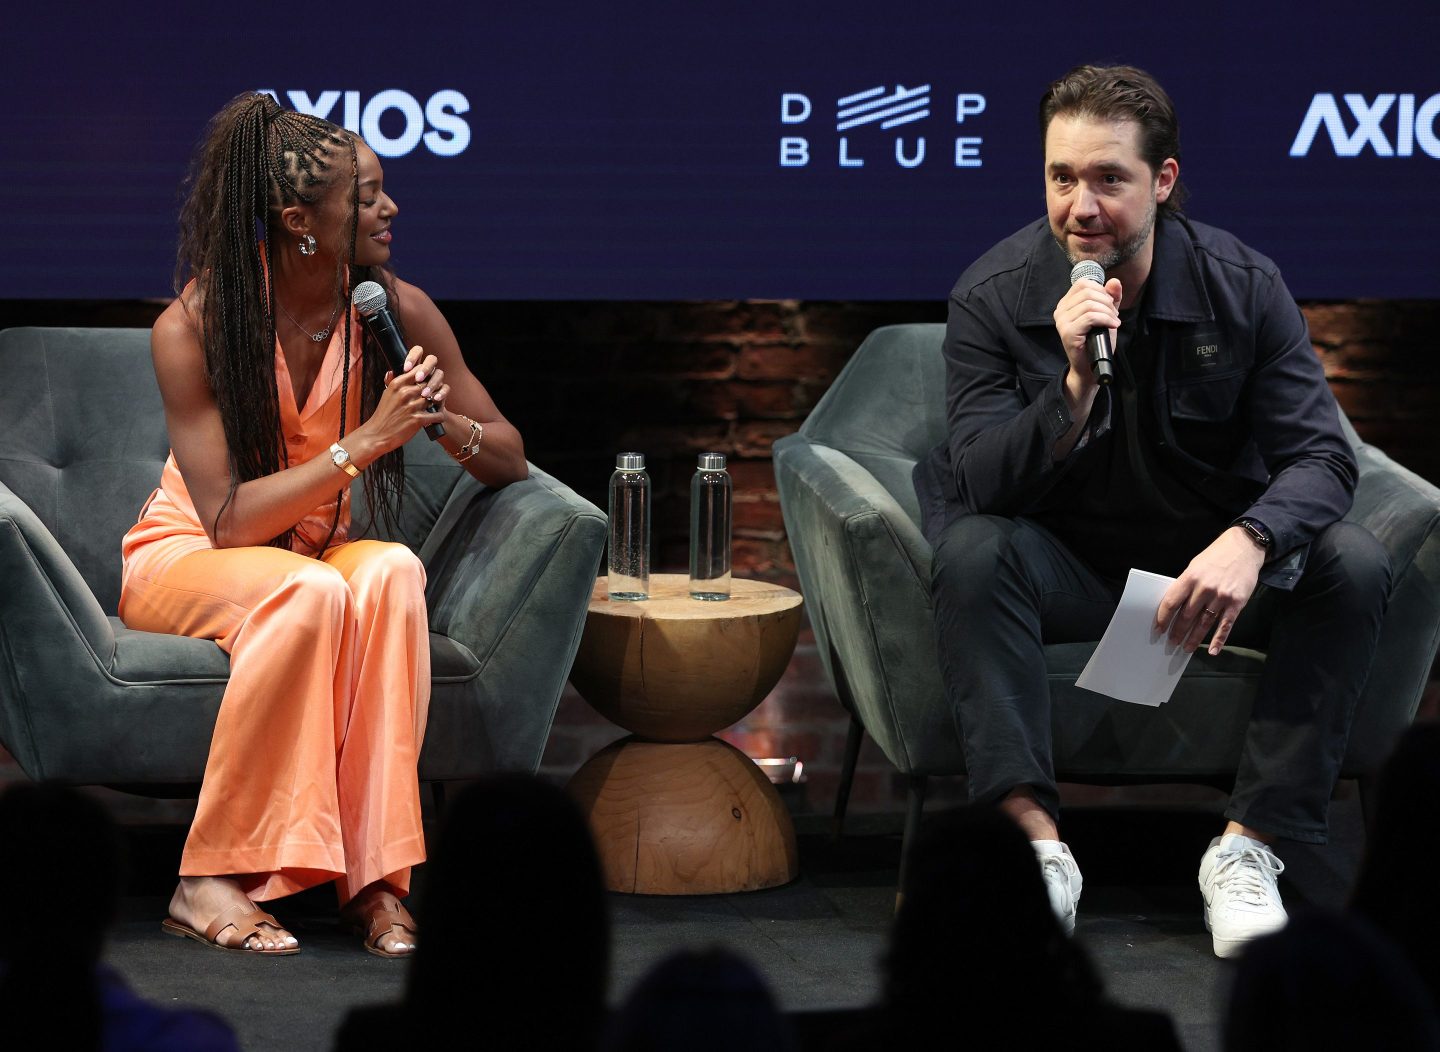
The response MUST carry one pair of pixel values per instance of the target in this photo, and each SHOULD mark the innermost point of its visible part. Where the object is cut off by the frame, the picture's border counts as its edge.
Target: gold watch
(341, 459)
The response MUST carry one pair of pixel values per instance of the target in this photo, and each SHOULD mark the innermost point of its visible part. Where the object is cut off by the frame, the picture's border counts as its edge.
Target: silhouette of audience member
(1327, 981)
(1393, 890)
(700, 1001)
(61, 886)
(976, 951)
(516, 943)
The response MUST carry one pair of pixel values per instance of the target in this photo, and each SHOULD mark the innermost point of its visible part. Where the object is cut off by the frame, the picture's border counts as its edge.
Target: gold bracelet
(472, 444)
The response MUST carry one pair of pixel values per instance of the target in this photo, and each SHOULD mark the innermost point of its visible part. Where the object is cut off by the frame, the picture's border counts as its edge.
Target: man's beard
(1121, 253)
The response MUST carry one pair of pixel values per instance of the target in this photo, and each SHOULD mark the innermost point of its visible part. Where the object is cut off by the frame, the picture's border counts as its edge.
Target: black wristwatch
(1257, 531)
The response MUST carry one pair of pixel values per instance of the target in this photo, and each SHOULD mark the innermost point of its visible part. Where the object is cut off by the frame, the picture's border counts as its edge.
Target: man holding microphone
(1212, 453)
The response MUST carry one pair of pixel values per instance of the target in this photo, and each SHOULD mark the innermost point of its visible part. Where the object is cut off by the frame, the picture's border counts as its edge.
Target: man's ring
(1212, 613)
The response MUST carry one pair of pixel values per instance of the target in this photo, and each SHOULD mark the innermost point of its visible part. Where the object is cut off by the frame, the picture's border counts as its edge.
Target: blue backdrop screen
(842, 150)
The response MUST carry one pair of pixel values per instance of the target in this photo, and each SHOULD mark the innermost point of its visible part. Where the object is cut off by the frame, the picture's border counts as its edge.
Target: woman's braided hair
(256, 159)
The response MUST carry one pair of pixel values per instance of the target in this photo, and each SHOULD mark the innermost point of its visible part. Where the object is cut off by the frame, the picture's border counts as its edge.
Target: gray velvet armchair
(852, 520)
(85, 700)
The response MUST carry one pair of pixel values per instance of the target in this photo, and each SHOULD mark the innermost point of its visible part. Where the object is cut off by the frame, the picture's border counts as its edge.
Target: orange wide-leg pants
(312, 769)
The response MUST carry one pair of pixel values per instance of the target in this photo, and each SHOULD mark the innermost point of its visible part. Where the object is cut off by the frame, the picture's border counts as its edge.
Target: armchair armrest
(521, 559)
(49, 620)
(1402, 510)
(865, 572)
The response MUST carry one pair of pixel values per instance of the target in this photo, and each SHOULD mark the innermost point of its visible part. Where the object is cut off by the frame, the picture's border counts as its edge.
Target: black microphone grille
(369, 297)
(1086, 268)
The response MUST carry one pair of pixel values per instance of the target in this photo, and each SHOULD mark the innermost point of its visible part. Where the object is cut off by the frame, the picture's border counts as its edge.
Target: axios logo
(448, 134)
(889, 110)
(1413, 126)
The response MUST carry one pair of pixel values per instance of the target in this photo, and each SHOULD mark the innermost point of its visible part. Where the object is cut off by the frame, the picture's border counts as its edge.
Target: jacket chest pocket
(1207, 418)
(1207, 400)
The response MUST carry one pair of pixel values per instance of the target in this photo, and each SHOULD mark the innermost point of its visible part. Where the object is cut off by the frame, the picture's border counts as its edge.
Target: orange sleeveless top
(309, 429)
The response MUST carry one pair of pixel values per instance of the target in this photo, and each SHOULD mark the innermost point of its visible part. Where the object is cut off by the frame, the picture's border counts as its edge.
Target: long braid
(219, 248)
(345, 361)
(385, 479)
(256, 159)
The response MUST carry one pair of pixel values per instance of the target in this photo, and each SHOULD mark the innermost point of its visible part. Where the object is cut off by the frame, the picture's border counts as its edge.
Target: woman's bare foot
(199, 900)
(385, 924)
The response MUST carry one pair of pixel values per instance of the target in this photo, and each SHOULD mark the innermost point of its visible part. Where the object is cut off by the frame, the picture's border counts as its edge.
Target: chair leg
(918, 784)
(853, 741)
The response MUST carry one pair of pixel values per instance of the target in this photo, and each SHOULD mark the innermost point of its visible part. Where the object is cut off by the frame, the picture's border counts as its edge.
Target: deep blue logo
(877, 109)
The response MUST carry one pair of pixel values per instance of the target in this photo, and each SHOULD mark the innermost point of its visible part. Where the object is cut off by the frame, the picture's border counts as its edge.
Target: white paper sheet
(1134, 662)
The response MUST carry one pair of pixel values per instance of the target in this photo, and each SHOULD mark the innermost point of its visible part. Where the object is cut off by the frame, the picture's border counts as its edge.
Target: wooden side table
(674, 810)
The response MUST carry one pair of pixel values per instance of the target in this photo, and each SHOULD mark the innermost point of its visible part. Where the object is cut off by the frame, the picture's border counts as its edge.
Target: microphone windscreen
(369, 297)
(1086, 268)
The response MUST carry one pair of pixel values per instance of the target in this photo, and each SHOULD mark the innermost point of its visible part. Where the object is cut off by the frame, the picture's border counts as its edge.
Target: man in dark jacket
(1215, 456)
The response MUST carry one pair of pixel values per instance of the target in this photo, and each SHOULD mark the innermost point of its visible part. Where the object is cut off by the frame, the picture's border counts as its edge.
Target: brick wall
(584, 381)
(1382, 362)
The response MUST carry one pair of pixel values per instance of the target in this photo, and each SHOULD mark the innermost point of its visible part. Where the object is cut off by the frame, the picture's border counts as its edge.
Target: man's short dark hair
(1120, 93)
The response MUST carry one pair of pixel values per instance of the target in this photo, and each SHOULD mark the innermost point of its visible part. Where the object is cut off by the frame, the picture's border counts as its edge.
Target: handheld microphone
(373, 305)
(1098, 341)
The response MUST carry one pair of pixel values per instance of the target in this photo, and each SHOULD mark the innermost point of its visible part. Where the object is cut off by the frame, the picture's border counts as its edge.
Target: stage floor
(818, 940)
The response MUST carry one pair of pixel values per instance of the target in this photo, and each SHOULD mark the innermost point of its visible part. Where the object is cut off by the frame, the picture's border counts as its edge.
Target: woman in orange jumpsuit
(275, 398)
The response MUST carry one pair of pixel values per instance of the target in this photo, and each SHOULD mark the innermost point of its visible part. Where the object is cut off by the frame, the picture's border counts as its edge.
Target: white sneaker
(1242, 901)
(1062, 880)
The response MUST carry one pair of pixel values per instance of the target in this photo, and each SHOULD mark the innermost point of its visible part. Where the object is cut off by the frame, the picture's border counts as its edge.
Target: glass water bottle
(710, 511)
(629, 576)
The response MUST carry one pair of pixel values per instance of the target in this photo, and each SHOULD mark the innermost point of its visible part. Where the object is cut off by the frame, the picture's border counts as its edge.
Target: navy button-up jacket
(1246, 418)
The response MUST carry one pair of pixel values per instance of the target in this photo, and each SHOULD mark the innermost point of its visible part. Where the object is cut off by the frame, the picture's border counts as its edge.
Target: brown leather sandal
(246, 919)
(380, 923)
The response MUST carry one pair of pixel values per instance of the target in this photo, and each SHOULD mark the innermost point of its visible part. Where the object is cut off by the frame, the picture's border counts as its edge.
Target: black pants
(1002, 588)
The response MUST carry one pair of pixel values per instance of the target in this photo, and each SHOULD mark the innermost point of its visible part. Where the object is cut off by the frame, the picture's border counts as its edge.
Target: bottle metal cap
(630, 461)
(712, 462)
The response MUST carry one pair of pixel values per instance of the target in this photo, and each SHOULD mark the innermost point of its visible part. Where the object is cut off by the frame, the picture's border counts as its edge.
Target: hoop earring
(308, 246)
